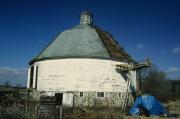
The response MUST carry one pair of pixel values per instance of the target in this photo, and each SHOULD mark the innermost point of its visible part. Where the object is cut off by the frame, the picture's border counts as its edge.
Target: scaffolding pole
(129, 67)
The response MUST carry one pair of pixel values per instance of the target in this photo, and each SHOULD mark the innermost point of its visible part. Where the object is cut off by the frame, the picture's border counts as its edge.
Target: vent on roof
(86, 18)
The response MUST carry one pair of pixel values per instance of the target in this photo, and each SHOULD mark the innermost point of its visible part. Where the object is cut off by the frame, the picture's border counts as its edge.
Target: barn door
(59, 98)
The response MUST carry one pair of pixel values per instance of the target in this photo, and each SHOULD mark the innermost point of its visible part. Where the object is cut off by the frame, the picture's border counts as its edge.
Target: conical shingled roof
(83, 41)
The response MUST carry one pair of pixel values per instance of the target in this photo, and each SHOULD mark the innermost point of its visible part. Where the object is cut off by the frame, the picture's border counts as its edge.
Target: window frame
(36, 79)
(100, 94)
(120, 94)
(31, 78)
(81, 93)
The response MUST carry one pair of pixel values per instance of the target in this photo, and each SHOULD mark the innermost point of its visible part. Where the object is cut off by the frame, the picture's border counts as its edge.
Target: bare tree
(157, 84)
(18, 85)
(7, 83)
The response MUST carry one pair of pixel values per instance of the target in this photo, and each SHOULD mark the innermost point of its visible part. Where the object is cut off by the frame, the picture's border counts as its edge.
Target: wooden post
(60, 116)
(37, 111)
(139, 83)
(14, 110)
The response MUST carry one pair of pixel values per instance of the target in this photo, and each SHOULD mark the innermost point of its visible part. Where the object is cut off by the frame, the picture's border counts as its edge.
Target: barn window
(100, 94)
(81, 94)
(36, 77)
(31, 77)
(119, 94)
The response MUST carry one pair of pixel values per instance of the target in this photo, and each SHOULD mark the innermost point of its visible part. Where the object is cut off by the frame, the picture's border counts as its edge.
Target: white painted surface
(67, 100)
(28, 78)
(133, 81)
(79, 74)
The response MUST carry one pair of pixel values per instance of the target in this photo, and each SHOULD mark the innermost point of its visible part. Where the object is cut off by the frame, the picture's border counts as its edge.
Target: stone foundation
(91, 100)
(110, 99)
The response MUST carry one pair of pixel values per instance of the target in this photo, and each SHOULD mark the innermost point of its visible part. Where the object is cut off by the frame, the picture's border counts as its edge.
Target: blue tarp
(147, 104)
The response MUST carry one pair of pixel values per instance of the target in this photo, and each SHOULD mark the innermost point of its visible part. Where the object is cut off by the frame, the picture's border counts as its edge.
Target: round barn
(79, 68)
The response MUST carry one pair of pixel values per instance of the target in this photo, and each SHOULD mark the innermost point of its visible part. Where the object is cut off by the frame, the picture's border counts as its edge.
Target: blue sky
(145, 28)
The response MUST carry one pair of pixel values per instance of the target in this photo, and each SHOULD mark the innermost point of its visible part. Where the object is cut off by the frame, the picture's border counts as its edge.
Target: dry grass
(83, 113)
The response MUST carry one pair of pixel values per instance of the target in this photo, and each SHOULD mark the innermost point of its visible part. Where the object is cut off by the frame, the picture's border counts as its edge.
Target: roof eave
(60, 57)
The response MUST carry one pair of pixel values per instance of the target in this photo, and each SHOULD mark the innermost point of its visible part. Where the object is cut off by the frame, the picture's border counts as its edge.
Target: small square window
(100, 94)
(81, 94)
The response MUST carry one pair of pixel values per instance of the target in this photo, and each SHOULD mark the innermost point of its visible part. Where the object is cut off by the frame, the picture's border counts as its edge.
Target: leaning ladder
(126, 97)
(129, 68)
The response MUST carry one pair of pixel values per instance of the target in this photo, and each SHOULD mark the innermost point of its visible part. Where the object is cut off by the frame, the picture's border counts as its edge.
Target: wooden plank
(126, 67)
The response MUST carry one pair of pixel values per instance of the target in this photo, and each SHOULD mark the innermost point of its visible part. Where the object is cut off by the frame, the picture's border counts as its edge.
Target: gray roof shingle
(83, 41)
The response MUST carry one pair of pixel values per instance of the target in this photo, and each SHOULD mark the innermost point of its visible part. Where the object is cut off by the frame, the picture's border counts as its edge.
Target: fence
(17, 104)
(28, 110)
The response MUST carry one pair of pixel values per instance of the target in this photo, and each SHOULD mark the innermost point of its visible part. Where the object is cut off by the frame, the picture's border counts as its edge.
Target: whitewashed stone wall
(111, 99)
(82, 75)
